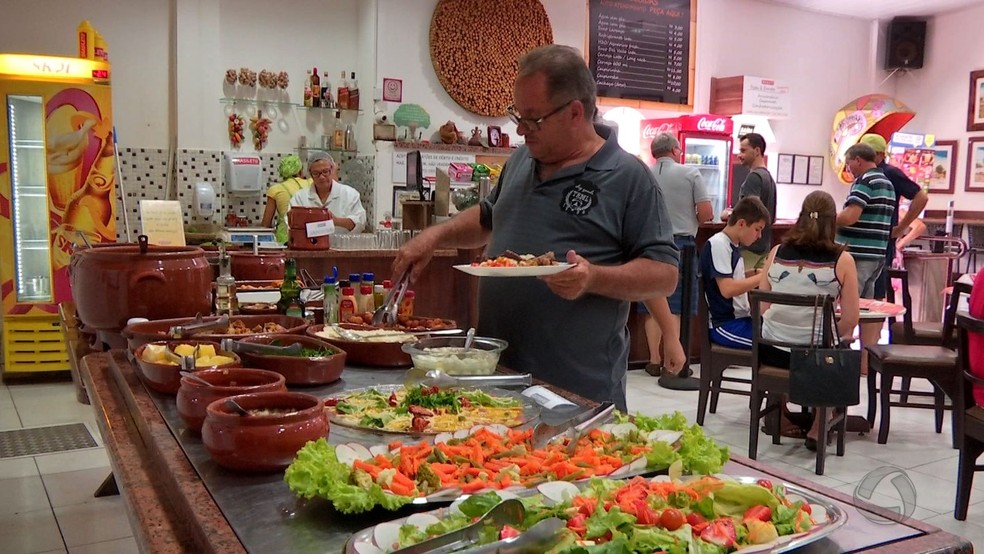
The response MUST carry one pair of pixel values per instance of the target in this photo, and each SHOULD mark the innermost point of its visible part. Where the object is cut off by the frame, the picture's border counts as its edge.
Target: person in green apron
(278, 195)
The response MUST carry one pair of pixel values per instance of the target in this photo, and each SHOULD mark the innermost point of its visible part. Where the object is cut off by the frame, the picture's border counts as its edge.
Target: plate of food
(428, 410)
(511, 264)
(356, 479)
(700, 514)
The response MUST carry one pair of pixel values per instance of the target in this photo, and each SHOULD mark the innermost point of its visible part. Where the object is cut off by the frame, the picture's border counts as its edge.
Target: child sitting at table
(723, 273)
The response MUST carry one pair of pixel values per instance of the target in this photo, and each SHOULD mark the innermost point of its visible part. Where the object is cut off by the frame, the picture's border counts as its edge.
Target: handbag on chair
(824, 376)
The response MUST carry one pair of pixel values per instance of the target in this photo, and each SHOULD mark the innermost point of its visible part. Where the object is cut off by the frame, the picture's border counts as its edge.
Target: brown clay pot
(262, 443)
(297, 239)
(265, 266)
(194, 398)
(296, 369)
(138, 334)
(166, 378)
(376, 354)
(114, 283)
(298, 218)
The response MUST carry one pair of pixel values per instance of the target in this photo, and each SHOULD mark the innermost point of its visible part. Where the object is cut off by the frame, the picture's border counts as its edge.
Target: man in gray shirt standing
(759, 182)
(689, 205)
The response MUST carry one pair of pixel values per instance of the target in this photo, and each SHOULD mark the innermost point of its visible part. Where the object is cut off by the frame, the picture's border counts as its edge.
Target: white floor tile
(30, 532)
(73, 460)
(76, 521)
(9, 418)
(947, 469)
(885, 497)
(73, 487)
(12, 468)
(23, 494)
(119, 546)
(971, 529)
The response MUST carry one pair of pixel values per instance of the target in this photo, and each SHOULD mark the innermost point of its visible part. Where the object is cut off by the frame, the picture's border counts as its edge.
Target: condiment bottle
(369, 279)
(225, 287)
(290, 292)
(365, 299)
(378, 296)
(330, 290)
(342, 98)
(355, 281)
(346, 306)
(315, 89)
(406, 305)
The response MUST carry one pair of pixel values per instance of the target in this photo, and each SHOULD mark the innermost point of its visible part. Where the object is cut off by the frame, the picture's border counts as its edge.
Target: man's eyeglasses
(326, 172)
(529, 122)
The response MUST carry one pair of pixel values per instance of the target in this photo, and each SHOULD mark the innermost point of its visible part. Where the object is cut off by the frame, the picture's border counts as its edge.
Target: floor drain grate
(42, 440)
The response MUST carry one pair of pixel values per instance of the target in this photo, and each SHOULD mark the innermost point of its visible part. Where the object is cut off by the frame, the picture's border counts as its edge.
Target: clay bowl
(263, 443)
(298, 217)
(166, 378)
(194, 398)
(376, 354)
(264, 266)
(138, 334)
(296, 369)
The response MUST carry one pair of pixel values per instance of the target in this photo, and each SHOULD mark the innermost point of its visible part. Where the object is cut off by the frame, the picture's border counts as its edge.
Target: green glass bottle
(290, 292)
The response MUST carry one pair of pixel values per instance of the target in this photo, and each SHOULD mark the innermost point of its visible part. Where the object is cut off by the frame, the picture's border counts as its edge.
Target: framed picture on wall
(975, 109)
(975, 165)
(400, 195)
(943, 173)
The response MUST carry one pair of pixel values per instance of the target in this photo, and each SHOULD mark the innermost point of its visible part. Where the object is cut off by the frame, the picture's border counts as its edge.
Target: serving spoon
(196, 379)
(234, 406)
(437, 378)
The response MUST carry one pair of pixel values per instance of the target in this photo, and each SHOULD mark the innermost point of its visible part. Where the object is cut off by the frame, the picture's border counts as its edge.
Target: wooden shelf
(440, 147)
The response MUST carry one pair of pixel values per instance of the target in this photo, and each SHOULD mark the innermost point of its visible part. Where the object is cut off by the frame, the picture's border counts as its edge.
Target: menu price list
(640, 49)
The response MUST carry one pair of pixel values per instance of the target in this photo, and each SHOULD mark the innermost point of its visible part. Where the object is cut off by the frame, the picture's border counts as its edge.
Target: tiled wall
(145, 177)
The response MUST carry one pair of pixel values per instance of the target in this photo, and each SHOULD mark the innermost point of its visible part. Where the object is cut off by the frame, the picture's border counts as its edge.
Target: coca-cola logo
(650, 131)
(716, 125)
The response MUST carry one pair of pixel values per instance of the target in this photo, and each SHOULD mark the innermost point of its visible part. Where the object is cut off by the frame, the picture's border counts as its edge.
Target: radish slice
(607, 427)
(387, 535)
(378, 449)
(361, 451)
(454, 509)
(462, 433)
(665, 435)
(634, 466)
(346, 454)
(422, 521)
(442, 438)
(367, 548)
(661, 479)
(557, 491)
(499, 429)
(623, 429)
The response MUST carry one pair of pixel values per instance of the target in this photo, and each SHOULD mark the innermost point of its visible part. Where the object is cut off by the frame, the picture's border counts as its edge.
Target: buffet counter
(178, 500)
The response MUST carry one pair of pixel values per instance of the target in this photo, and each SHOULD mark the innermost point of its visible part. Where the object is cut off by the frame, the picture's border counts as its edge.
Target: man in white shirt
(341, 200)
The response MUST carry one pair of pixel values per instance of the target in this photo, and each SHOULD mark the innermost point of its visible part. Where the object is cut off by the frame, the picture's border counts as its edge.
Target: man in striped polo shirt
(865, 226)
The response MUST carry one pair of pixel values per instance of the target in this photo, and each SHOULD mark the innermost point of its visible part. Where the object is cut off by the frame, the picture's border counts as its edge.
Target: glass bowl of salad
(448, 354)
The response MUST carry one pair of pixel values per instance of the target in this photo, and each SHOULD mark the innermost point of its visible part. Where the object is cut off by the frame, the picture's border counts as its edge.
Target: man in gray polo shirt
(688, 205)
(572, 190)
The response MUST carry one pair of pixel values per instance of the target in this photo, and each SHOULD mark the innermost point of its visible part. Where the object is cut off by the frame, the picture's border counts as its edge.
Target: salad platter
(709, 514)
(423, 410)
(357, 479)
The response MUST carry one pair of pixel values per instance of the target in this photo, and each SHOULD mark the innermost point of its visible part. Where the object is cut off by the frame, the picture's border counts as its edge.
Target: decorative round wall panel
(475, 46)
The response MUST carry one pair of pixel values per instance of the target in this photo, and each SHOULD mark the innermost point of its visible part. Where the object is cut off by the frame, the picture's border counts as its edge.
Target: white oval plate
(519, 271)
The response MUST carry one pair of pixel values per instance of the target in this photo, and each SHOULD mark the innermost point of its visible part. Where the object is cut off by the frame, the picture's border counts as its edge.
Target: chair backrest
(703, 320)
(966, 324)
(975, 236)
(909, 335)
(822, 303)
(950, 340)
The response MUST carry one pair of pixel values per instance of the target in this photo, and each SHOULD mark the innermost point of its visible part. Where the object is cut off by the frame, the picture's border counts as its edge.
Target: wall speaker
(906, 43)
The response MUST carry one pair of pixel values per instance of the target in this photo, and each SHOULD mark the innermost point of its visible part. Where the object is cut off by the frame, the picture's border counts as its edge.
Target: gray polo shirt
(682, 188)
(609, 211)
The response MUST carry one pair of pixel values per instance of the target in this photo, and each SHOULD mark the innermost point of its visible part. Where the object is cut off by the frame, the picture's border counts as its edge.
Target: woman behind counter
(279, 195)
(341, 200)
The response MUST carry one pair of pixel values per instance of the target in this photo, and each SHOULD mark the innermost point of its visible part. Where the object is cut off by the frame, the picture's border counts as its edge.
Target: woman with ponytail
(808, 262)
(279, 195)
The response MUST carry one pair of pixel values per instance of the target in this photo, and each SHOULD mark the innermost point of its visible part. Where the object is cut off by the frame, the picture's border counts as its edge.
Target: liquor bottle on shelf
(290, 291)
(326, 99)
(315, 89)
(353, 93)
(338, 134)
(307, 91)
(350, 138)
(225, 287)
(342, 98)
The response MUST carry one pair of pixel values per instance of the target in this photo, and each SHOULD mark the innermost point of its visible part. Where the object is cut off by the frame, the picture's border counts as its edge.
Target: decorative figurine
(476, 138)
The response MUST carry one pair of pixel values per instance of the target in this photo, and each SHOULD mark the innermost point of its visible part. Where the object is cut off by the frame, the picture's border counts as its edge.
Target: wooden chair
(975, 243)
(714, 360)
(771, 384)
(968, 418)
(936, 362)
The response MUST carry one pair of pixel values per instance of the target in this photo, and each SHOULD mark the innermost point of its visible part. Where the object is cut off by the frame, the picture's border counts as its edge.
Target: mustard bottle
(87, 40)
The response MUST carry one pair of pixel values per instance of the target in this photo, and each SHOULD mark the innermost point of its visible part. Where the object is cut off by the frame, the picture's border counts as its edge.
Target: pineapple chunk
(206, 350)
(184, 350)
(210, 361)
(154, 353)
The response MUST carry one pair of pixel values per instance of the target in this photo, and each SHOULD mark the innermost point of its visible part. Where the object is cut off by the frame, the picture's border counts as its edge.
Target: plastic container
(448, 354)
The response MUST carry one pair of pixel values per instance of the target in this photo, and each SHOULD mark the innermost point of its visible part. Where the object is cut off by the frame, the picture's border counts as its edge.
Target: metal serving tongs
(436, 378)
(186, 363)
(545, 433)
(197, 326)
(231, 345)
(386, 314)
(507, 512)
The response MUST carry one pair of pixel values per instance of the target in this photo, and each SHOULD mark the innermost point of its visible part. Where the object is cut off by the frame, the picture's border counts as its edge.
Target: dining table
(178, 500)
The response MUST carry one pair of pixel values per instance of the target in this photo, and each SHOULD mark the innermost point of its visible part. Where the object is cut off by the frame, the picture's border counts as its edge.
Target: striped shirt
(867, 238)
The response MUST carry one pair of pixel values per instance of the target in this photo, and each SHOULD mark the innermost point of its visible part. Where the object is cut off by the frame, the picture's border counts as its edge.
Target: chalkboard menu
(640, 49)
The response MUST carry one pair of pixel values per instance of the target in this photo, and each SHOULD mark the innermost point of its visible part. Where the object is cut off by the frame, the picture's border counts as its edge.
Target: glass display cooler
(57, 185)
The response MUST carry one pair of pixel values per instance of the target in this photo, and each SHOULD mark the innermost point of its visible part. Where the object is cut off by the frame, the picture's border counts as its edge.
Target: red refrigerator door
(711, 155)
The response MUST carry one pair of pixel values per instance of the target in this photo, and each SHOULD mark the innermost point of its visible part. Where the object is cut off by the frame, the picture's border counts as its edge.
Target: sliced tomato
(720, 532)
(760, 512)
(672, 519)
(508, 532)
(645, 515)
(392, 401)
(585, 504)
(764, 483)
(807, 508)
(695, 519)
(578, 524)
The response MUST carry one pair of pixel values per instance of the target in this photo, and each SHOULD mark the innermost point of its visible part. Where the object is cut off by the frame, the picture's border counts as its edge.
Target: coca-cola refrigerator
(706, 143)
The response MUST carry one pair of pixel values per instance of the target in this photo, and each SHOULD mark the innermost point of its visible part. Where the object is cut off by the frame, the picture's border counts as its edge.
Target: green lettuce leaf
(602, 521)
(734, 499)
(478, 505)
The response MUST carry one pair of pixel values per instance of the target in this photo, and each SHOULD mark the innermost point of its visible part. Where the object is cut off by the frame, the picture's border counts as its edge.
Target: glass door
(710, 156)
(32, 256)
